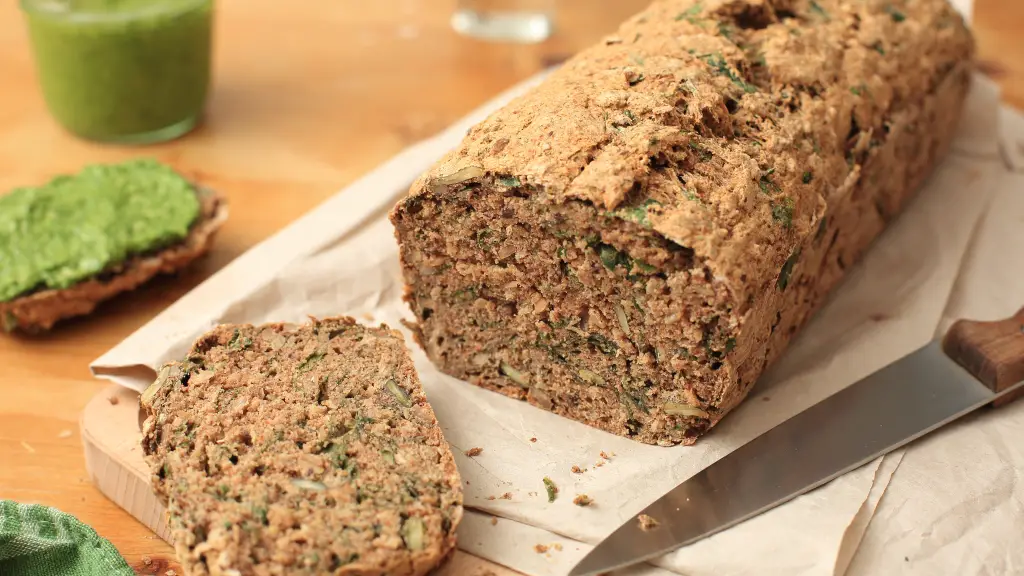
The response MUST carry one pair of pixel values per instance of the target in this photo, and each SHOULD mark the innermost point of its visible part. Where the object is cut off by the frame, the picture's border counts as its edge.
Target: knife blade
(975, 365)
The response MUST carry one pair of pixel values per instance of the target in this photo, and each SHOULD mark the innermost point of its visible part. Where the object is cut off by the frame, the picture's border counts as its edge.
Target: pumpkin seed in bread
(301, 450)
(78, 240)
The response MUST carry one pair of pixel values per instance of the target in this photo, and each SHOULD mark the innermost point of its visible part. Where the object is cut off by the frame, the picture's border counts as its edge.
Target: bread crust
(39, 311)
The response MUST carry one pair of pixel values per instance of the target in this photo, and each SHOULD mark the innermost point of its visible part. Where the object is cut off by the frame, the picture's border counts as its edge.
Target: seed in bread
(301, 450)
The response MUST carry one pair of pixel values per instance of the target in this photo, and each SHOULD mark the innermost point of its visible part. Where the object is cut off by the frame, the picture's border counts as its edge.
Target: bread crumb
(598, 464)
(506, 496)
(113, 400)
(494, 520)
(583, 500)
(577, 470)
(147, 560)
(551, 488)
(64, 434)
(605, 456)
(475, 451)
(533, 439)
(646, 522)
(557, 546)
(490, 497)
(540, 548)
(170, 573)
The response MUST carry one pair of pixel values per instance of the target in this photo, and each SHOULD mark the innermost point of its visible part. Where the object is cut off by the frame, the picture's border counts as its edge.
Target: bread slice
(39, 311)
(301, 450)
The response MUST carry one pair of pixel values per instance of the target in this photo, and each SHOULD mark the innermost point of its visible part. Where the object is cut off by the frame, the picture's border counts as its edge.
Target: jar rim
(61, 10)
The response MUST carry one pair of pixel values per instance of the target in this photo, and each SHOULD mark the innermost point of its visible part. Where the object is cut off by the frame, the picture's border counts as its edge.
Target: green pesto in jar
(75, 227)
(122, 70)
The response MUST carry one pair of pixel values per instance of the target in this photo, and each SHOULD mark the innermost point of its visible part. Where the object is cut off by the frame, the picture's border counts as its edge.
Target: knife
(976, 364)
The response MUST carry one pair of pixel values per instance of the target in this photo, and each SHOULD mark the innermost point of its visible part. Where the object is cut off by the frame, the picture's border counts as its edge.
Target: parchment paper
(341, 259)
(956, 503)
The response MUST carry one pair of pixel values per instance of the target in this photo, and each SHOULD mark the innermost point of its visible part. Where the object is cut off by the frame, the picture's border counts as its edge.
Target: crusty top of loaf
(729, 124)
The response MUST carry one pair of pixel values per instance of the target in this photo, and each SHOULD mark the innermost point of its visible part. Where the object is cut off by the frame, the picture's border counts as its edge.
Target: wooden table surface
(304, 101)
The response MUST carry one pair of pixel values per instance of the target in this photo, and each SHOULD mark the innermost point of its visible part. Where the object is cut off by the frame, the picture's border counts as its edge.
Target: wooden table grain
(305, 100)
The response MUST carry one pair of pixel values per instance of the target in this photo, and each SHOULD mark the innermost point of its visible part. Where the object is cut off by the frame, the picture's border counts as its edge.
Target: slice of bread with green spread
(301, 450)
(78, 240)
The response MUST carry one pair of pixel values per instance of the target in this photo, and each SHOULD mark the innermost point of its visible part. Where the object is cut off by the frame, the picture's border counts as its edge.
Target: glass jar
(122, 71)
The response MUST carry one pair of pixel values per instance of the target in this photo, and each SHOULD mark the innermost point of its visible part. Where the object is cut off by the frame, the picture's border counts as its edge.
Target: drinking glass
(525, 21)
(122, 71)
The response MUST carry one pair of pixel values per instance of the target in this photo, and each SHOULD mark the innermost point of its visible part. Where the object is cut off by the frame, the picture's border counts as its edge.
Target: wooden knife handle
(992, 351)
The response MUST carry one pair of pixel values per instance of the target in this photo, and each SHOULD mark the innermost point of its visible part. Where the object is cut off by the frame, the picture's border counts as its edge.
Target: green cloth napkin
(39, 541)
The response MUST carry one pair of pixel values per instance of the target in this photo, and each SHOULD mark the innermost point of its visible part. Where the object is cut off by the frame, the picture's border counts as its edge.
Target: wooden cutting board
(113, 457)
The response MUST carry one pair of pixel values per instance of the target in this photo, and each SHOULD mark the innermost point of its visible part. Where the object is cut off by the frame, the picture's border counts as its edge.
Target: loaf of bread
(73, 243)
(634, 241)
(304, 450)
